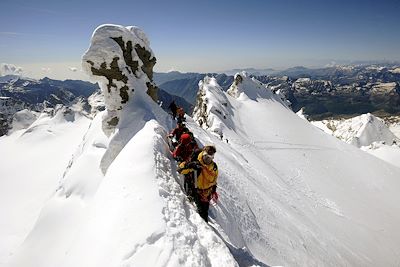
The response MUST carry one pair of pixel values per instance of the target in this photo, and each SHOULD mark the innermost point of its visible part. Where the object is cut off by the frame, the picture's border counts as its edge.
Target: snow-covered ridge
(359, 131)
(273, 163)
(290, 195)
(212, 107)
(367, 132)
(244, 86)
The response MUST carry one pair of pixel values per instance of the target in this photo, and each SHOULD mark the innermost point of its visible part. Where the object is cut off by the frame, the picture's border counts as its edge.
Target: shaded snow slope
(32, 162)
(294, 196)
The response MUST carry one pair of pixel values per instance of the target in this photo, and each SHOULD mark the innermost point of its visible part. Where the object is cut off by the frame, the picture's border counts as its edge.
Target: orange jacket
(207, 177)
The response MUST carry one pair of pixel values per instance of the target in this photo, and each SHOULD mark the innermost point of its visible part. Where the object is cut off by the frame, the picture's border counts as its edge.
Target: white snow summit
(290, 195)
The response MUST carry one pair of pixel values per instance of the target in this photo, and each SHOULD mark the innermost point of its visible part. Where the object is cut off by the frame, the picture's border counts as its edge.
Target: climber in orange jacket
(205, 172)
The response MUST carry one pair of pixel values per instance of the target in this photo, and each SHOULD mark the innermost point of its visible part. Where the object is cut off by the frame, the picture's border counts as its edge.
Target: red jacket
(183, 152)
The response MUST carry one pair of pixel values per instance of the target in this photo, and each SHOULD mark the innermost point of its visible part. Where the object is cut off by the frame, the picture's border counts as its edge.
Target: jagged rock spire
(121, 60)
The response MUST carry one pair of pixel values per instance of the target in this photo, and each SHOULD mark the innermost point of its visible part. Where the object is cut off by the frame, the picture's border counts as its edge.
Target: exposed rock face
(121, 60)
(18, 93)
(212, 111)
(234, 89)
(200, 113)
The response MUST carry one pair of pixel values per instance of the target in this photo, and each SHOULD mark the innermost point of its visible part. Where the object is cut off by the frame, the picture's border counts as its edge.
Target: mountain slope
(289, 194)
(295, 196)
(33, 160)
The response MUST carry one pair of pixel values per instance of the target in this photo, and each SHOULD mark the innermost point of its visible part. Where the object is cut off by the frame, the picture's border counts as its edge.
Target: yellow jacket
(208, 174)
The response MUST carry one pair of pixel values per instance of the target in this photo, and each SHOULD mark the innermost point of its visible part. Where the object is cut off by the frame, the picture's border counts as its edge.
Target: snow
(395, 129)
(23, 119)
(302, 115)
(360, 131)
(32, 162)
(388, 153)
(396, 70)
(290, 194)
(367, 132)
(303, 80)
(10, 69)
(288, 190)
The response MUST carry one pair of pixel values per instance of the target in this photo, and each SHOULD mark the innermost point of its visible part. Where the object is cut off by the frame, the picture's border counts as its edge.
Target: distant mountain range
(334, 91)
(19, 93)
(337, 91)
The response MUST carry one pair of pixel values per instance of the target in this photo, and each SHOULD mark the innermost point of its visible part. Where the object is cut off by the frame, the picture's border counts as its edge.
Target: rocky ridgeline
(341, 91)
(36, 96)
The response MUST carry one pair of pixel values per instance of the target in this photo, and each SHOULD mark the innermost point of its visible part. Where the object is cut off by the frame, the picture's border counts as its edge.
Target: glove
(181, 167)
(214, 196)
(193, 165)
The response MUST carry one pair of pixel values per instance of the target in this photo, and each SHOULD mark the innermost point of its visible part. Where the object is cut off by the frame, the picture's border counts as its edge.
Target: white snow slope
(360, 131)
(289, 194)
(368, 132)
(32, 162)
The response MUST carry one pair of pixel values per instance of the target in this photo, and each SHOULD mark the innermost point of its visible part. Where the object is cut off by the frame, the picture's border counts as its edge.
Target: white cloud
(73, 69)
(47, 70)
(54, 70)
(10, 69)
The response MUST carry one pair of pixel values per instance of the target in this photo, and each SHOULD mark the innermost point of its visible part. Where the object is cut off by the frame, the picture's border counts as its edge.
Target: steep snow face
(32, 162)
(209, 112)
(121, 60)
(246, 87)
(119, 201)
(213, 110)
(292, 195)
(361, 130)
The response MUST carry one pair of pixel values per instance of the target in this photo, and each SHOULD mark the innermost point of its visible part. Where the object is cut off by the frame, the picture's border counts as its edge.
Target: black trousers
(202, 207)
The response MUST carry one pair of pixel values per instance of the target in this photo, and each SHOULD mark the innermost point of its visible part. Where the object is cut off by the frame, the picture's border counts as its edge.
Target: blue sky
(204, 36)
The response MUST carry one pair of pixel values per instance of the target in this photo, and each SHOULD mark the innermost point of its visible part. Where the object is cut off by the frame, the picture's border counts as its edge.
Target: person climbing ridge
(173, 109)
(187, 146)
(176, 133)
(205, 174)
(181, 114)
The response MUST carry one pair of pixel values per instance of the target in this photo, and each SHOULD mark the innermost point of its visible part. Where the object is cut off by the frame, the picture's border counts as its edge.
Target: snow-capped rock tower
(121, 60)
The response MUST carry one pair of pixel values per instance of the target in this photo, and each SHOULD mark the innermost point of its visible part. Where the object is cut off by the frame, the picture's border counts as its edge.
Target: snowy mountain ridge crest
(120, 201)
(213, 111)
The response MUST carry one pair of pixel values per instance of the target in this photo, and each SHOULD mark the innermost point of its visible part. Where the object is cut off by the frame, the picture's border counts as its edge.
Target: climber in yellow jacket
(201, 178)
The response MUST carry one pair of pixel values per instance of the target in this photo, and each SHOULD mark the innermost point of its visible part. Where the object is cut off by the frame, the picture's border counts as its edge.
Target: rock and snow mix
(289, 194)
(367, 132)
(10, 69)
(118, 201)
(359, 131)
